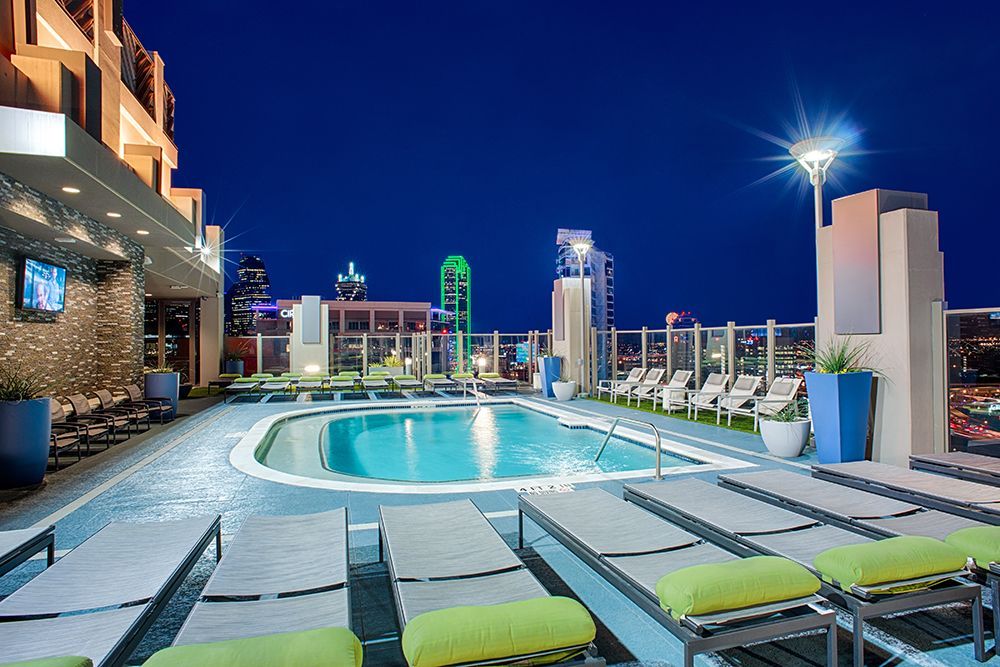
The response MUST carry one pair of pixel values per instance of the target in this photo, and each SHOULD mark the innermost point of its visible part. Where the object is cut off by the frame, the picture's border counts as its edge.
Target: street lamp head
(581, 245)
(816, 154)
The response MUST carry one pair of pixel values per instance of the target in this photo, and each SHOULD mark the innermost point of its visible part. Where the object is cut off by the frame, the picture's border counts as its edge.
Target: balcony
(139, 70)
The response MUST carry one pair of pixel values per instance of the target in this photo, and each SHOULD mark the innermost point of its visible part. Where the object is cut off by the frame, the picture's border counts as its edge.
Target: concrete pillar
(210, 337)
(881, 277)
(567, 339)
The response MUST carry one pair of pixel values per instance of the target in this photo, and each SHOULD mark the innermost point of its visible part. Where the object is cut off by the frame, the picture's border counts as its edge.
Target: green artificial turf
(740, 423)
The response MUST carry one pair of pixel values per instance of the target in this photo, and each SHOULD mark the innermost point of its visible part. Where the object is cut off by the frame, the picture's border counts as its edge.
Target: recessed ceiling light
(71, 190)
(112, 214)
(65, 239)
(148, 294)
(178, 287)
(141, 232)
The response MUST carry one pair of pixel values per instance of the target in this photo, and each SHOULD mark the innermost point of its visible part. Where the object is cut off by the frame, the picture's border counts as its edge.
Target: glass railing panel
(274, 354)
(514, 357)
(629, 351)
(793, 349)
(444, 353)
(751, 351)
(346, 353)
(603, 356)
(382, 351)
(973, 348)
(682, 349)
(242, 348)
(480, 353)
(714, 353)
(657, 350)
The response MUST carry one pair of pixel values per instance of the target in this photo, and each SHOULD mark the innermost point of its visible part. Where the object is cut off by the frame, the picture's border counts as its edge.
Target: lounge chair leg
(978, 640)
(859, 639)
(688, 657)
(50, 553)
(520, 529)
(831, 642)
(995, 595)
(218, 544)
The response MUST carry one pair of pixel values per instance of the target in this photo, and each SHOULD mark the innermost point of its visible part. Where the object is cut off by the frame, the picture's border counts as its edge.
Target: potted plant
(563, 389)
(550, 368)
(234, 356)
(390, 363)
(163, 382)
(786, 433)
(25, 428)
(840, 389)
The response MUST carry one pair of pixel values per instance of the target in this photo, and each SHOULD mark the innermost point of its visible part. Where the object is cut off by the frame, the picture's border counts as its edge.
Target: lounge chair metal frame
(968, 510)
(44, 539)
(613, 387)
(696, 637)
(862, 604)
(954, 469)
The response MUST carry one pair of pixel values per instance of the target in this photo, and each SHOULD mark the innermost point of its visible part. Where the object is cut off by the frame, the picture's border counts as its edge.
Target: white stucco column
(566, 327)
(309, 349)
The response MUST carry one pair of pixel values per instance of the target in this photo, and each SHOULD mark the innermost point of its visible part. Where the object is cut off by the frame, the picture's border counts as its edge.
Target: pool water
(448, 445)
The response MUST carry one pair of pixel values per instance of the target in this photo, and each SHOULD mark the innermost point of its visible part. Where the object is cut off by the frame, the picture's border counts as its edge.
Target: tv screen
(43, 286)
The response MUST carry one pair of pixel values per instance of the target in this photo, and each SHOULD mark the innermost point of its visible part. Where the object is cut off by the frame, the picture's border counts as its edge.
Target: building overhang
(48, 152)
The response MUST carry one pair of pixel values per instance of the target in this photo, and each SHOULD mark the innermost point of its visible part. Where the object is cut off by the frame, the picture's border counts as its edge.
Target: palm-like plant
(842, 355)
(19, 384)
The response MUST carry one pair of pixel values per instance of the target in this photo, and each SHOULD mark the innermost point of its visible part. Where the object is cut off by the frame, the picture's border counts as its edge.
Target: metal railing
(628, 420)
(972, 376)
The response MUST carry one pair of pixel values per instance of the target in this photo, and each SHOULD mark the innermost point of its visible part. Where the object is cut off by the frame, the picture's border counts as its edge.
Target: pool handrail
(638, 422)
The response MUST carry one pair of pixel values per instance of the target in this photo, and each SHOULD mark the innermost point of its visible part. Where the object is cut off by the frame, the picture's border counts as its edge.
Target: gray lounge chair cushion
(221, 621)
(121, 563)
(822, 495)
(440, 540)
(607, 525)
(91, 636)
(730, 511)
(965, 460)
(283, 554)
(418, 597)
(929, 523)
(11, 541)
(646, 569)
(925, 483)
(803, 546)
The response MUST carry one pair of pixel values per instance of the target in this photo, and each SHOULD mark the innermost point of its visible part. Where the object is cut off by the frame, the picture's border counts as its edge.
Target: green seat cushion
(732, 585)
(67, 661)
(292, 376)
(894, 561)
(228, 376)
(491, 376)
(434, 376)
(461, 635)
(406, 377)
(261, 376)
(373, 377)
(242, 380)
(462, 376)
(311, 378)
(381, 372)
(325, 647)
(981, 543)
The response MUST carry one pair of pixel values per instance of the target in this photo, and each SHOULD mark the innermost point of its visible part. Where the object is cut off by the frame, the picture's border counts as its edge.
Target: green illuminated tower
(456, 295)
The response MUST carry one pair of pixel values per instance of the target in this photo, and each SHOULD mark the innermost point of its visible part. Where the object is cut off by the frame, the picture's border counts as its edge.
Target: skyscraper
(351, 287)
(456, 295)
(600, 268)
(251, 290)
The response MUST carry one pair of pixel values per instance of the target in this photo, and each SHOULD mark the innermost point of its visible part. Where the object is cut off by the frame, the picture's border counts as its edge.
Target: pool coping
(242, 456)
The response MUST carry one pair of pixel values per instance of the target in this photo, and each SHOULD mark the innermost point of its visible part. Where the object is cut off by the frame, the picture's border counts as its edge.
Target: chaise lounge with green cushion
(876, 516)
(322, 647)
(497, 382)
(407, 382)
(438, 382)
(869, 578)
(707, 597)
(310, 383)
(463, 597)
(65, 661)
(240, 385)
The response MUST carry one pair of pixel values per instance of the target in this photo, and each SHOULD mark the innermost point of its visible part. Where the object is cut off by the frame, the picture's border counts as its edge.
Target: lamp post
(582, 246)
(816, 155)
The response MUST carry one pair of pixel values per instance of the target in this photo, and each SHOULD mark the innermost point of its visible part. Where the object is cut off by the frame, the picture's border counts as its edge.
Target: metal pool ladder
(629, 420)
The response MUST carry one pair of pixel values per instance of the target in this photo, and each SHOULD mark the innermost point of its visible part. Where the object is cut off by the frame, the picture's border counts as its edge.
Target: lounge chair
(342, 383)
(744, 390)
(963, 465)
(446, 555)
(873, 515)
(407, 382)
(647, 388)
(779, 395)
(118, 422)
(276, 386)
(675, 391)
(632, 550)
(156, 406)
(279, 574)
(467, 381)
(618, 388)
(244, 386)
(376, 383)
(136, 414)
(17, 546)
(497, 382)
(94, 426)
(99, 600)
(752, 526)
(438, 382)
(65, 435)
(955, 496)
(292, 377)
(307, 383)
(706, 397)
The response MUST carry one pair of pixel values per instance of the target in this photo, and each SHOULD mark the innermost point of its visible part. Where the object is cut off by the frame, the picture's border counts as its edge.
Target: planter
(839, 407)
(550, 368)
(234, 366)
(564, 391)
(25, 430)
(536, 381)
(164, 385)
(184, 390)
(785, 439)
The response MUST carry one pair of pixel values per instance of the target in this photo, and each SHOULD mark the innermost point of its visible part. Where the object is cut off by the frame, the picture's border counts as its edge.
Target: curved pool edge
(243, 455)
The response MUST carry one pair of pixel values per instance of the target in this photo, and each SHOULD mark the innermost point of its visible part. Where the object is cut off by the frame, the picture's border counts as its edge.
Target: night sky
(397, 133)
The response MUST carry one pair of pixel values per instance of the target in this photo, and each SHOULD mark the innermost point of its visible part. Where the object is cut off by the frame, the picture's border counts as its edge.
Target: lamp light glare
(71, 190)
(112, 214)
(312, 368)
(142, 232)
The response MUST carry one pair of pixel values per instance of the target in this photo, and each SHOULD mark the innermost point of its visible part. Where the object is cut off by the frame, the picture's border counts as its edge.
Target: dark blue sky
(396, 133)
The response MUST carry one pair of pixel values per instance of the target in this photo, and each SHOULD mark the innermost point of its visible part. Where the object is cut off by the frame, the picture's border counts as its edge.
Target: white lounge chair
(341, 383)
(619, 387)
(711, 390)
(674, 391)
(277, 385)
(779, 395)
(742, 393)
(647, 387)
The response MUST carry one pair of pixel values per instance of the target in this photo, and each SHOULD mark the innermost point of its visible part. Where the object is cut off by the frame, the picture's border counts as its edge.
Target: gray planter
(164, 385)
(234, 366)
(25, 430)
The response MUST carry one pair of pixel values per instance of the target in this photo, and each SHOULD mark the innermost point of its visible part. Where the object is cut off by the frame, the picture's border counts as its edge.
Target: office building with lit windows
(246, 296)
(351, 287)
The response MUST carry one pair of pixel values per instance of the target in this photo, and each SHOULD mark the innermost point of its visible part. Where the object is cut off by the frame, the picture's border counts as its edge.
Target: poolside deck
(184, 470)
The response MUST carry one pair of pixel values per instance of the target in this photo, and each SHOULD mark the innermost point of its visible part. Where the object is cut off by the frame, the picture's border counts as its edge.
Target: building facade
(456, 298)
(246, 296)
(87, 154)
(351, 287)
(599, 266)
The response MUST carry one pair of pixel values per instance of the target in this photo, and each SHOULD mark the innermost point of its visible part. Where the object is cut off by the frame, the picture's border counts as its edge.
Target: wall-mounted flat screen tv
(41, 286)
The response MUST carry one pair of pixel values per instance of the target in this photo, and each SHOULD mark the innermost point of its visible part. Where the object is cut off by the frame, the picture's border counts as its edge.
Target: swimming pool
(439, 445)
